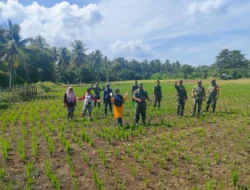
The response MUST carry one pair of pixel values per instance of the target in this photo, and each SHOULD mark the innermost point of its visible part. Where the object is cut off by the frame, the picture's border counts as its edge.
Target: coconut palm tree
(96, 59)
(39, 42)
(107, 65)
(12, 47)
(63, 57)
(78, 55)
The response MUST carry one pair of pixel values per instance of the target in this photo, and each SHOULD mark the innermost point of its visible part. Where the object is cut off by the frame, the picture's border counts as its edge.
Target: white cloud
(207, 6)
(136, 47)
(60, 24)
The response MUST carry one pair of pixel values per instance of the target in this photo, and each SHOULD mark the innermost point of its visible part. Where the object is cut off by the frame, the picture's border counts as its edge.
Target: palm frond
(24, 41)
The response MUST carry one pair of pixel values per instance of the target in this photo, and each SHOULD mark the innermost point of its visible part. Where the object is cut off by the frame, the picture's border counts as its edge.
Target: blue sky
(50, 3)
(191, 31)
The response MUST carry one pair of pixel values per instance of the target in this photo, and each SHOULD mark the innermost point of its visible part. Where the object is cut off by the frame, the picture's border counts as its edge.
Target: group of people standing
(198, 95)
(139, 97)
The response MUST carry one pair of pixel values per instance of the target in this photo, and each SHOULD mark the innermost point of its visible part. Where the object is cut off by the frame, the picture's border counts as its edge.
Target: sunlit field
(41, 149)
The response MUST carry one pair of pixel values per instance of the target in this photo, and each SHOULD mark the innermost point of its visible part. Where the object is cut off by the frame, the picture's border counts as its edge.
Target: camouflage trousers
(180, 107)
(197, 103)
(140, 110)
(211, 100)
(157, 100)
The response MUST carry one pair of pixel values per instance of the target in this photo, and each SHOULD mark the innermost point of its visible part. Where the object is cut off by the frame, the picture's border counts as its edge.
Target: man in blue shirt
(107, 98)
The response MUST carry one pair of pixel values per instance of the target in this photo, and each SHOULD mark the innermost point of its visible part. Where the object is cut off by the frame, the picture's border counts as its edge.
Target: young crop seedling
(149, 166)
(2, 173)
(134, 171)
(210, 185)
(234, 177)
(29, 170)
(97, 180)
(102, 156)
(34, 145)
(21, 149)
(146, 181)
(86, 158)
(175, 171)
(5, 148)
(51, 175)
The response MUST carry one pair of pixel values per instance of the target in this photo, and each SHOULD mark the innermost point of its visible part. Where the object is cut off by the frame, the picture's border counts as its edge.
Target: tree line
(32, 59)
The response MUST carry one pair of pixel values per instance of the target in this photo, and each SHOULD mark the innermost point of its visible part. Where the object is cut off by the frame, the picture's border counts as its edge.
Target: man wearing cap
(198, 95)
(107, 98)
(134, 87)
(212, 95)
(97, 91)
(157, 93)
(181, 98)
(140, 96)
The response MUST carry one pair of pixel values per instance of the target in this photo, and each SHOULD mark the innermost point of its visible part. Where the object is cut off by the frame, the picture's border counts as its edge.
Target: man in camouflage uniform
(140, 96)
(198, 95)
(97, 91)
(134, 87)
(181, 98)
(157, 93)
(212, 95)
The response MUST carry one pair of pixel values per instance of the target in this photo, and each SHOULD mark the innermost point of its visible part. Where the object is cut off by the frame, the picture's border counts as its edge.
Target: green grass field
(40, 149)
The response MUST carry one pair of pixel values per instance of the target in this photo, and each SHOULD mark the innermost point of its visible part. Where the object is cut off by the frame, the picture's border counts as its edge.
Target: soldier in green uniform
(198, 95)
(181, 98)
(212, 95)
(97, 91)
(158, 94)
(134, 87)
(140, 96)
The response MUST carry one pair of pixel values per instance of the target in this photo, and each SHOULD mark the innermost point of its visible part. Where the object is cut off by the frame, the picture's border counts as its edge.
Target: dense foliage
(32, 59)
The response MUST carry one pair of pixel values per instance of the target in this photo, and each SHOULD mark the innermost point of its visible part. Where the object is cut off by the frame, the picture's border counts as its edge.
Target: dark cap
(107, 84)
(117, 90)
(213, 80)
(199, 81)
(89, 89)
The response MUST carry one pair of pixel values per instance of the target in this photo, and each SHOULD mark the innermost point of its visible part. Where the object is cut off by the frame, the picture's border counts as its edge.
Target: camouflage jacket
(157, 90)
(141, 94)
(181, 92)
(199, 92)
(134, 87)
(212, 90)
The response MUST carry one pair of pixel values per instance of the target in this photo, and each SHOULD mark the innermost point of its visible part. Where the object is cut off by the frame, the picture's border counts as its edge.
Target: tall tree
(12, 51)
(63, 57)
(186, 70)
(78, 55)
(39, 42)
(231, 63)
(107, 69)
(96, 63)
